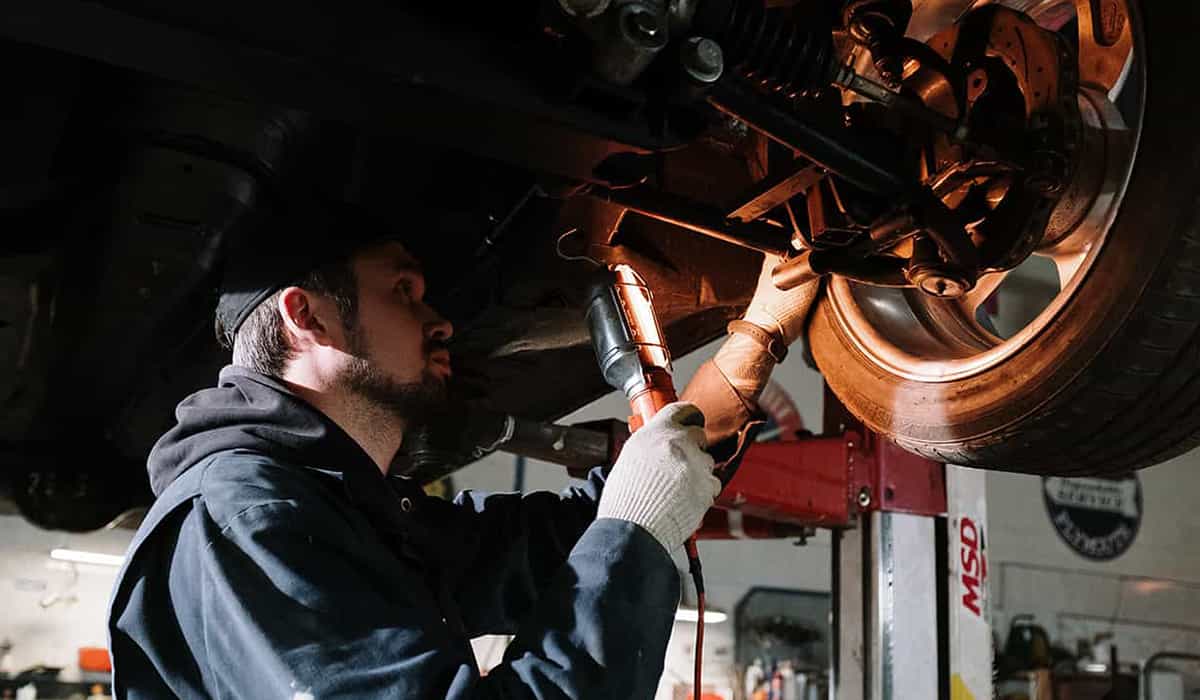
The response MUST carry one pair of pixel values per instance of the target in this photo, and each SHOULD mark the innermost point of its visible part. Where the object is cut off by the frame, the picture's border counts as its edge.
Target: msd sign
(973, 562)
(970, 624)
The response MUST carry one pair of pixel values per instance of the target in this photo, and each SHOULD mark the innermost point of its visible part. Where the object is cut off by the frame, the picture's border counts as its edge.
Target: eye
(406, 287)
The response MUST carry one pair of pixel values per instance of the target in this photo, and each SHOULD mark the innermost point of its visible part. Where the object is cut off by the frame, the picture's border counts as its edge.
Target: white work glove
(663, 480)
(778, 311)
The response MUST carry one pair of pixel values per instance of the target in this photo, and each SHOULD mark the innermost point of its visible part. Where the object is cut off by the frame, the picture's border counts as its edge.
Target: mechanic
(281, 560)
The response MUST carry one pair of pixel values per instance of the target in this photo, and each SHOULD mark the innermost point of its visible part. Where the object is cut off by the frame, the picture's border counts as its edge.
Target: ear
(309, 318)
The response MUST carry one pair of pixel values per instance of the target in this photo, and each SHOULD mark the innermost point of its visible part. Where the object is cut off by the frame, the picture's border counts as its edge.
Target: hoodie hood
(252, 411)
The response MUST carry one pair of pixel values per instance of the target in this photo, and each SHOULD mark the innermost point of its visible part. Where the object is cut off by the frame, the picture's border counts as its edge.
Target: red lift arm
(783, 488)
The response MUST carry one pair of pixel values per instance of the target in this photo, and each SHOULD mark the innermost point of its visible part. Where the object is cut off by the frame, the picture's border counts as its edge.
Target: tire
(1113, 383)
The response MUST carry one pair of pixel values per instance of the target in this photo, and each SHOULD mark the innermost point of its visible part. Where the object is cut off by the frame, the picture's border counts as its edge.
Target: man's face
(397, 343)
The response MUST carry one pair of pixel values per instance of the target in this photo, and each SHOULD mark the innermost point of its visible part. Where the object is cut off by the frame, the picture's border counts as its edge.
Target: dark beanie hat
(278, 248)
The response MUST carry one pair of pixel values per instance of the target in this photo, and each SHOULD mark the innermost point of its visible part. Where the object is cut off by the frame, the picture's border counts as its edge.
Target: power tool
(634, 358)
(628, 342)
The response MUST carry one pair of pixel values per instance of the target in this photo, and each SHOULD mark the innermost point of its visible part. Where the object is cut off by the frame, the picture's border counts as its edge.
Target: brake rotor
(1014, 87)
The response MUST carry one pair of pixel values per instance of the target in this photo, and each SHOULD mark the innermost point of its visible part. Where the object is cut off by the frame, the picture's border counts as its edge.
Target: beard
(412, 402)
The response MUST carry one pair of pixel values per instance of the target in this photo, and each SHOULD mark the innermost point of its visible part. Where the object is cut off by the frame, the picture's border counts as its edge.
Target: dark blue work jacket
(277, 562)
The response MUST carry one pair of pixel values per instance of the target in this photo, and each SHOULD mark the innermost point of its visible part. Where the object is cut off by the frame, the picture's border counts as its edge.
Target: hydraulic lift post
(910, 612)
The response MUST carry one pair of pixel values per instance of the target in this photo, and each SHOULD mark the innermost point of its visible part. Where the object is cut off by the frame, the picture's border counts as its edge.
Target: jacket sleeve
(291, 609)
(517, 544)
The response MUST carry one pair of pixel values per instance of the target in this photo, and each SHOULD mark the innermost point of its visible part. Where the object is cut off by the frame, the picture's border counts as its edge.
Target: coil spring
(774, 51)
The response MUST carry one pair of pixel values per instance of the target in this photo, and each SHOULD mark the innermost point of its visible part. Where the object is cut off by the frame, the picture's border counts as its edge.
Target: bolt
(877, 30)
(803, 537)
(890, 67)
(939, 281)
(864, 497)
(703, 59)
(943, 287)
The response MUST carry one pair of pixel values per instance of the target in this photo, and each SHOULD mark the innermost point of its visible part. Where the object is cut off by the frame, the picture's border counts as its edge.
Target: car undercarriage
(909, 154)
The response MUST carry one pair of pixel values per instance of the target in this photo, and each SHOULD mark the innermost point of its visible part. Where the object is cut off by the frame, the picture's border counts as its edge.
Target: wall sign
(1098, 518)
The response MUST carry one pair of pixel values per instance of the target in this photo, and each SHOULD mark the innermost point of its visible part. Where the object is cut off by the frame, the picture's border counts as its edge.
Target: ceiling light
(687, 613)
(80, 557)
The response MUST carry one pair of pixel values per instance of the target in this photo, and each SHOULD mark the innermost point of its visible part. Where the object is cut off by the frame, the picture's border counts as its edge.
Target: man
(281, 560)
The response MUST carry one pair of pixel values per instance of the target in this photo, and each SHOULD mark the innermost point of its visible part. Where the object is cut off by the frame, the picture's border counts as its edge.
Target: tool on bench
(634, 358)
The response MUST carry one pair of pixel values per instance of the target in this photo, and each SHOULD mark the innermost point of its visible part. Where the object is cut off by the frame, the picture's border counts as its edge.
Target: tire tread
(1140, 399)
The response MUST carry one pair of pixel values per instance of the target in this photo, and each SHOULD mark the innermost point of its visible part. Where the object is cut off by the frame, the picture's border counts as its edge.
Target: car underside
(909, 154)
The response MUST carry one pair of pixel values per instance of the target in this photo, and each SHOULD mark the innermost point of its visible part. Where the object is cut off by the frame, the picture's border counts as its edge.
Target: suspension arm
(828, 148)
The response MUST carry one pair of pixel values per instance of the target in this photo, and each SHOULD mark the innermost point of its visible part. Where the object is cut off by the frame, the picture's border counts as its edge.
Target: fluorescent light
(1095, 668)
(711, 617)
(80, 557)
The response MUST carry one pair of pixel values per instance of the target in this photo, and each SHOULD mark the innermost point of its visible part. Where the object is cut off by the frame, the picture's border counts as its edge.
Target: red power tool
(634, 358)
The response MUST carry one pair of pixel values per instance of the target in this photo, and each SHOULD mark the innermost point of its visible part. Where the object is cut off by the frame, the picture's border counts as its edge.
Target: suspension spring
(775, 49)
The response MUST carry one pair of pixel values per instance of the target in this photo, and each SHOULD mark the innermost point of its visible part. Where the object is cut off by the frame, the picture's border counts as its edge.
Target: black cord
(693, 556)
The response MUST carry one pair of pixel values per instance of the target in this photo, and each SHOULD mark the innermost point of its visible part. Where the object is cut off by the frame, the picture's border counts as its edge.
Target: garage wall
(1166, 543)
(52, 608)
(1149, 597)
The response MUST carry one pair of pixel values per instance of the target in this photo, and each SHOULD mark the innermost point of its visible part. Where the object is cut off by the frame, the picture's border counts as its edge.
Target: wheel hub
(933, 333)
(1012, 86)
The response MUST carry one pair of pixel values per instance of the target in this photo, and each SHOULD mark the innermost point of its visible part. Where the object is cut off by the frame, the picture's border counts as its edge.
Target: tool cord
(693, 555)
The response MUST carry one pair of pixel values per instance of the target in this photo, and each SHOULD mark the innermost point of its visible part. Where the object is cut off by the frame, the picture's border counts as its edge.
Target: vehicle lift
(910, 602)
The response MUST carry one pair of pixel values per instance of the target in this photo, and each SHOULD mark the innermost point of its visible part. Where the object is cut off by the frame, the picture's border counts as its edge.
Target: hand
(778, 311)
(663, 479)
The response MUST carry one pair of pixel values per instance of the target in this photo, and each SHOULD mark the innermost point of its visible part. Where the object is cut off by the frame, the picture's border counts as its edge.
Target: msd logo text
(974, 563)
